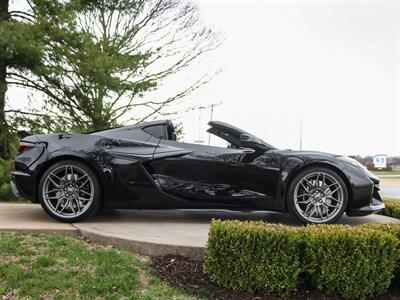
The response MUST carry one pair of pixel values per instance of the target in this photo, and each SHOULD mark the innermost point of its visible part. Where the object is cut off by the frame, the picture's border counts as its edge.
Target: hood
(306, 153)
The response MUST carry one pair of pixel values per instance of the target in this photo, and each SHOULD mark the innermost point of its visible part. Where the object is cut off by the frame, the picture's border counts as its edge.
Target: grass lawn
(46, 266)
(391, 199)
(393, 172)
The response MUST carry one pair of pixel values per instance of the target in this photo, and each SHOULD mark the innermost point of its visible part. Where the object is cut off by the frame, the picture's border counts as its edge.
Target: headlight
(351, 161)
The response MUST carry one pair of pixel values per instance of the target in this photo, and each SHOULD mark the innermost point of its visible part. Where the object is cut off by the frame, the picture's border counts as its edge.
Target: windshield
(232, 134)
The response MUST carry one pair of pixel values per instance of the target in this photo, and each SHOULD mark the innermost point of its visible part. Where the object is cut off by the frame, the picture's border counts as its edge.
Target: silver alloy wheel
(318, 197)
(68, 191)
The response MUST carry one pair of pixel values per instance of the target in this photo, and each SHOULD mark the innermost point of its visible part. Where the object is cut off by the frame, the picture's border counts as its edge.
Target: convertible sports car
(144, 167)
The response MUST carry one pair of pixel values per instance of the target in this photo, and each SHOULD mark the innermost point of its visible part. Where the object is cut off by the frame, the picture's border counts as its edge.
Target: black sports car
(144, 167)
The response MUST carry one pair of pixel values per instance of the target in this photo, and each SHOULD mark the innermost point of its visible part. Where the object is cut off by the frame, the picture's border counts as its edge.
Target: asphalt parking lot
(390, 187)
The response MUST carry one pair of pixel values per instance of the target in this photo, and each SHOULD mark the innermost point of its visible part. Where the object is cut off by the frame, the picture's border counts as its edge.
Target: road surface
(390, 187)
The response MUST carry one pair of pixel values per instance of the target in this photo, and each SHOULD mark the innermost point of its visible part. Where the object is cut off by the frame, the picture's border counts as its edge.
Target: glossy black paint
(139, 170)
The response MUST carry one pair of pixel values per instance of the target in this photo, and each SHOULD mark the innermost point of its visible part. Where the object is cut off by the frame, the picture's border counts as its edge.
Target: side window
(157, 131)
(216, 141)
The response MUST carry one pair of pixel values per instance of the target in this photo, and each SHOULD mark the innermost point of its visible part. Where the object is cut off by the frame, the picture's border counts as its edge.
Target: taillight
(22, 147)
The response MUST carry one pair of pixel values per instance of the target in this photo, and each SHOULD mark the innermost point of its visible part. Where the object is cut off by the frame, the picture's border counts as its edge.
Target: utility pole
(211, 118)
(301, 133)
(199, 140)
(211, 106)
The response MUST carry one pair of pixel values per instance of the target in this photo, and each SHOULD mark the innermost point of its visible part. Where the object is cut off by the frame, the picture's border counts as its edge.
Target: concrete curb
(142, 247)
(31, 219)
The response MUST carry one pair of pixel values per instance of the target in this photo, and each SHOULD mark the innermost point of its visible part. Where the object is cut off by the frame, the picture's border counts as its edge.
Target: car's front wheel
(317, 196)
(69, 191)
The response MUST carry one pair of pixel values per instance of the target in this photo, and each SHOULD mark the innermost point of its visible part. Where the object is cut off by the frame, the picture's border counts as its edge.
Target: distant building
(380, 161)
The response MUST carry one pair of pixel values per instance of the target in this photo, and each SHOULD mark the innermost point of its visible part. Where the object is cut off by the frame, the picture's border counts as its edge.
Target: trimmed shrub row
(392, 208)
(353, 262)
(245, 256)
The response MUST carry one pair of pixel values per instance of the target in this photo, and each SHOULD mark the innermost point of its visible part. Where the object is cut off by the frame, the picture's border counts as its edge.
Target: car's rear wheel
(69, 191)
(317, 196)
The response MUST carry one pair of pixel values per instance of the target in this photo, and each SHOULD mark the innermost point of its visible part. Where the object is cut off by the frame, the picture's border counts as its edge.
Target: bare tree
(104, 59)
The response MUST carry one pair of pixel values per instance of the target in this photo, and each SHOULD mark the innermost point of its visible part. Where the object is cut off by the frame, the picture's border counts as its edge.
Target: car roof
(136, 126)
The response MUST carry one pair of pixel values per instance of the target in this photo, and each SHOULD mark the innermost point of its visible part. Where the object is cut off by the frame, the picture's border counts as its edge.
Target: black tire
(89, 210)
(296, 209)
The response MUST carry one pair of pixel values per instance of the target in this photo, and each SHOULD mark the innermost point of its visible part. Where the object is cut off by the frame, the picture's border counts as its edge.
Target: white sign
(380, 161)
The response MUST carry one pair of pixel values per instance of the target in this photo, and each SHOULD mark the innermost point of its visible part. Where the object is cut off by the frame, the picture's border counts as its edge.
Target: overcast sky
(333, 64)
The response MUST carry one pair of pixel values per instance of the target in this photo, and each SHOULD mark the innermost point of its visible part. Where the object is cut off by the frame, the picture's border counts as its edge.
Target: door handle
(248, 150)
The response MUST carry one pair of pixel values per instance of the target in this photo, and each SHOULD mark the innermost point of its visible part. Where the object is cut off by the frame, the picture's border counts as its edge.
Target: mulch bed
(187, 274)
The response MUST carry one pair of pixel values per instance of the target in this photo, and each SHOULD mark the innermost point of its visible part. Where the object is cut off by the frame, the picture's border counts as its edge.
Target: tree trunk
(4, 130)
(98, 119)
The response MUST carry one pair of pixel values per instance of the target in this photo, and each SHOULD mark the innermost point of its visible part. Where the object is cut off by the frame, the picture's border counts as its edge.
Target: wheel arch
(316, 165)
(57, 159)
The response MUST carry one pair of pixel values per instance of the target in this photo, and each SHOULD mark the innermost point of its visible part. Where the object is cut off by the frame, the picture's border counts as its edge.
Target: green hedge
(353, 262)
(392, 208)
(393, 229)
(246, 257)
(6, 167)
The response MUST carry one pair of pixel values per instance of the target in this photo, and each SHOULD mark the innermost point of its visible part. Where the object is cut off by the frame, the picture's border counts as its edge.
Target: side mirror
(248, 138)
